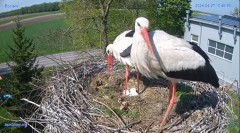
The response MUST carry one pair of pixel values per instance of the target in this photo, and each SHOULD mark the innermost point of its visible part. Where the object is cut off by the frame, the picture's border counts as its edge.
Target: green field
(48, 37)
(27, 16)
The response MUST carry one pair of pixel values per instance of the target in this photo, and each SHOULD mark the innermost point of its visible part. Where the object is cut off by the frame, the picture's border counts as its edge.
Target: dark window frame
(218, 49)
(196, 41)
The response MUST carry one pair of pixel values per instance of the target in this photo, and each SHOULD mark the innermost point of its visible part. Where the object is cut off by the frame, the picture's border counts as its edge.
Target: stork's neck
(140, 53)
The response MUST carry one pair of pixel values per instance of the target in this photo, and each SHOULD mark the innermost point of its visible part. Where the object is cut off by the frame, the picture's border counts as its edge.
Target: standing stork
(121, 49)
(158, 54)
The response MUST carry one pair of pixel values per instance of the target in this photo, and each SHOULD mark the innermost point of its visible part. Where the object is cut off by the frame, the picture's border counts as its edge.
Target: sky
(221, 7)
(7, 5)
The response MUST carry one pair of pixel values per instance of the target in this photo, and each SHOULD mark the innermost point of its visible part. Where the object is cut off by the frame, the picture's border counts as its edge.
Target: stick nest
(74, 100)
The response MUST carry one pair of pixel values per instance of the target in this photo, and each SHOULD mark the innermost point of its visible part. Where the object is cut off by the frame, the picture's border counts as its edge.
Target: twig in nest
(129, 125)
(24, 99)
(106, 127)
(172, 124)
(119, 118)
(116, 130)
(148, 127)
(30, 125)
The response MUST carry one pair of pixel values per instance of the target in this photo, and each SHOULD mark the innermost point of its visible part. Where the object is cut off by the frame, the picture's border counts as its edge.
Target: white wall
(226, 70)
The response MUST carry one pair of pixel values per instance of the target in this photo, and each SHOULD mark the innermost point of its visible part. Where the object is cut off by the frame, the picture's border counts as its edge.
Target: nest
(68, 106)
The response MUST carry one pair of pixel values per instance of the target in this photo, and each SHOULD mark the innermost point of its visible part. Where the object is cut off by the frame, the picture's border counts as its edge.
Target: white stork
(160, 54)
(121, 49)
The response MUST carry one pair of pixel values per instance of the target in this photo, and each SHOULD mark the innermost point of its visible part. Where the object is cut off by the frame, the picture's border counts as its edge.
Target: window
(194, 38)
(220, 49)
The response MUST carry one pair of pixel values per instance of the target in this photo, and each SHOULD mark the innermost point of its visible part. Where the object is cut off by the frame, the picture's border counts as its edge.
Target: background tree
(236, 12)
(95, 23)
(167, 15)
(23, 67)
(88, 20)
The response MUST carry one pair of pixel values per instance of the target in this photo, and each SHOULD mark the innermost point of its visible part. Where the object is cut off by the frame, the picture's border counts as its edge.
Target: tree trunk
(104, 34)
(105, 12)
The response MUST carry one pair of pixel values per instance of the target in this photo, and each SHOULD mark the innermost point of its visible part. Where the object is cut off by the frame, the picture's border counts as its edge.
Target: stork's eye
(108, 52)
(138, 24)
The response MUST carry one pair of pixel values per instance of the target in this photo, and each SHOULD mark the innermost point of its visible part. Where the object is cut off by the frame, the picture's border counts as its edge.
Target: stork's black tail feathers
(204, 73)
(211, 77)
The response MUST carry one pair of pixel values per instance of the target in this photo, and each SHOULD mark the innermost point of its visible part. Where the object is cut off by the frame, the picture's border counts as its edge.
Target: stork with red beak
(121, 49)
(157, 54)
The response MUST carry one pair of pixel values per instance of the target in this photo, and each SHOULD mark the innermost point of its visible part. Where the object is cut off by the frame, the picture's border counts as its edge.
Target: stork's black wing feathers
(126, 52)
(130, 34)
(197, 49)
(204, 73)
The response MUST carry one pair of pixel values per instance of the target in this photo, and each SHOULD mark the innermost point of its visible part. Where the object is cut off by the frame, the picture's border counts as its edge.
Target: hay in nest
(83, 98)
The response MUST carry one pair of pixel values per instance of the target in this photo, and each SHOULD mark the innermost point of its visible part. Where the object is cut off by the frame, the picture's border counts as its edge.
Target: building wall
(226, 70)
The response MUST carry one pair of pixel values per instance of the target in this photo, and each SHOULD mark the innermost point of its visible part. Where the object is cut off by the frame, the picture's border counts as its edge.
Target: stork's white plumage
(160, 54)
(121, 49)
(121, 43)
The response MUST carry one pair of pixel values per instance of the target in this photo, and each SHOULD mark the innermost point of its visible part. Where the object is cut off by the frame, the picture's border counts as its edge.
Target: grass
(234, 126)
(46, 36)
(6, 114)
(27, 16)
(182, 89)
(4, 129)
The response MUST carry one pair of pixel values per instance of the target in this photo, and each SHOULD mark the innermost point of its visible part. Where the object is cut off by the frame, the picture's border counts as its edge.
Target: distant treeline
(44, 7)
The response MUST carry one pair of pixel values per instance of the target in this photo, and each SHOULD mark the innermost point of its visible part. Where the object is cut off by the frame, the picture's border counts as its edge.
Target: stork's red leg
(109, 67)
(172, 101)
(137, 80)
(126, 81)
(170, 90)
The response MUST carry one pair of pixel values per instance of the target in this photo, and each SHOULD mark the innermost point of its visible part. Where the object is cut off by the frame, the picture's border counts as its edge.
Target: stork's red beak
(109, 63)
(144, 33)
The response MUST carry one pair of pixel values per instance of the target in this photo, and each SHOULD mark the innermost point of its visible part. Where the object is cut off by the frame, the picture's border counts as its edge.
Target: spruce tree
(24, 68)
